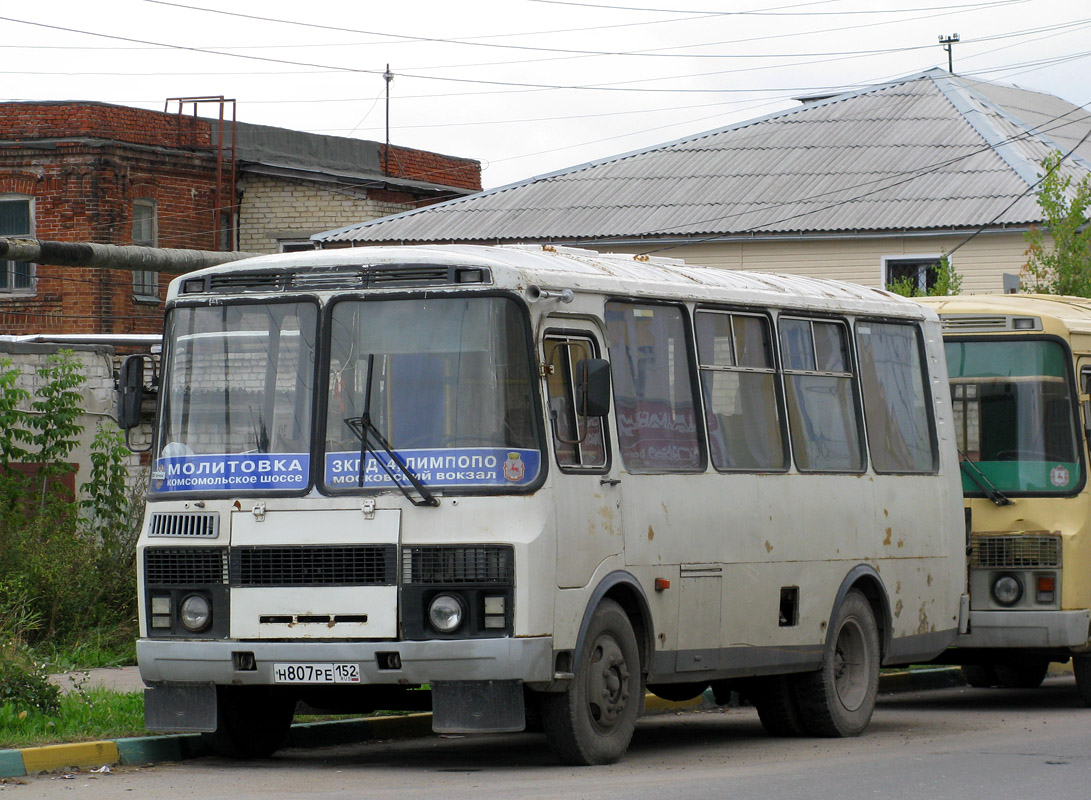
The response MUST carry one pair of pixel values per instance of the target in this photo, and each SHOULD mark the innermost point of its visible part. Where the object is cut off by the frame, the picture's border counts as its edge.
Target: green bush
(24, 684)
(68, 566)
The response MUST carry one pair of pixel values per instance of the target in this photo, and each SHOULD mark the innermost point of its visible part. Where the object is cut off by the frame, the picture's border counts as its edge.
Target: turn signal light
(1047, 587)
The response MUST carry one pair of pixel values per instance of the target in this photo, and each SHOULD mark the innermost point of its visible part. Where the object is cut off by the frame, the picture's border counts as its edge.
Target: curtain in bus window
(742, 406)
(896, 407)
(821, 401)
(653, 395)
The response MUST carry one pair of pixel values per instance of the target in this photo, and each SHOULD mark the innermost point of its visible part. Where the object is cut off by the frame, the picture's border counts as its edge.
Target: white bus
(539, 482)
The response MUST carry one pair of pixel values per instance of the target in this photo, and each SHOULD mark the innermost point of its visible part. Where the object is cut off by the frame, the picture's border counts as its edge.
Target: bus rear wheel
(592, 721)
(1081, 668)
(778, 706)
(1022, 676)
(980, 676)
(838, 699)
(253, 722)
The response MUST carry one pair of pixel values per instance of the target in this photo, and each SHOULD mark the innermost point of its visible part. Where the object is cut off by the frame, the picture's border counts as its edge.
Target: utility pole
(388, 76)
(948, 43)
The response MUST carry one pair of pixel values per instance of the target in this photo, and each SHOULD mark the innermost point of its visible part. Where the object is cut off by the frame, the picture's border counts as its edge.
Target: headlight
(445, 613)
(1007, 590)
(195, 612)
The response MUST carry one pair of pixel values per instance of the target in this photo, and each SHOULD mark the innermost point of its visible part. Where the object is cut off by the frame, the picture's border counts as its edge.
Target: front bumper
(1017, 629)
(526, 659)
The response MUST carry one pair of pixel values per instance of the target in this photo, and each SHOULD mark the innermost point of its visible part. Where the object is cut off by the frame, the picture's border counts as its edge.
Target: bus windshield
(1014, 416)
(238, 384)
(449, 391)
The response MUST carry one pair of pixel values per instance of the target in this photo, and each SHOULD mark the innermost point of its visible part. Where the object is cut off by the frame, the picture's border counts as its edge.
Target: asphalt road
(950, 743)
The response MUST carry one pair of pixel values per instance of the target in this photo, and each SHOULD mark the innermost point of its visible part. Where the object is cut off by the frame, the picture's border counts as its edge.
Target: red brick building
(82, 171)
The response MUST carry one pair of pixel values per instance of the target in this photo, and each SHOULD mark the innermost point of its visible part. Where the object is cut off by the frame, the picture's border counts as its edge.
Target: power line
(654, 52)
(776, 12)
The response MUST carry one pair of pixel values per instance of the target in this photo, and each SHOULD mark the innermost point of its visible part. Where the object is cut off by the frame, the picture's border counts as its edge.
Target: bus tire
(980, 676)
(778, 706)
(592, 721)
(838, 699)
(1022, 676)
(1081, 668)
(252, 722)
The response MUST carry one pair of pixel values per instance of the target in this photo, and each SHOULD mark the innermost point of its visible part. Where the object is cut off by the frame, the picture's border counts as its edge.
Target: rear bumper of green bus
(1040, 629)
(251, 663)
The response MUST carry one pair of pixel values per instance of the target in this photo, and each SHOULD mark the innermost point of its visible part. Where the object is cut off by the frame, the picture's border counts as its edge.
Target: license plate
(316, 673)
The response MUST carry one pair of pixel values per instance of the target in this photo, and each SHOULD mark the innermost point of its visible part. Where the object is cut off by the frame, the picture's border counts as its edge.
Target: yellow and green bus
(1020, 371)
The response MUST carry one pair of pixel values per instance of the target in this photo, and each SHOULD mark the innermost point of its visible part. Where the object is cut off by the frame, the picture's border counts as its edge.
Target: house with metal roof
(865, 186)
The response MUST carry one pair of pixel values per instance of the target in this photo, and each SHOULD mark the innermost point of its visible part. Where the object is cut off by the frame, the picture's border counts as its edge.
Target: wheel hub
(608, 683)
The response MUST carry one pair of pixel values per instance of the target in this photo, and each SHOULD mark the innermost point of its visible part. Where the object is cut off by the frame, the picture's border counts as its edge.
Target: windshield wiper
(366, 431)
(983, 483)
(261, 433)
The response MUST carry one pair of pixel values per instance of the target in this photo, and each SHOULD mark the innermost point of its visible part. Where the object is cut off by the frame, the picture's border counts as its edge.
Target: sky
(526, 87)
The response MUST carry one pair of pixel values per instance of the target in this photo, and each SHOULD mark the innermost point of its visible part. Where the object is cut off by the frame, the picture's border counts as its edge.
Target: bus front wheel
(252, 722)
(592, 721)
(838, 699)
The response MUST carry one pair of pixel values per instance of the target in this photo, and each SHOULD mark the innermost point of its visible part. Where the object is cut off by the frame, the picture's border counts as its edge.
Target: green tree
(12, 434)
(948, 282)
(1064, 268)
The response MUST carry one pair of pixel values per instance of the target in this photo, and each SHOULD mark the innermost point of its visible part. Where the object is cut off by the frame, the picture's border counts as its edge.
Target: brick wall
(421, 165)
(63, 120)
(277, 208)
(84, 165)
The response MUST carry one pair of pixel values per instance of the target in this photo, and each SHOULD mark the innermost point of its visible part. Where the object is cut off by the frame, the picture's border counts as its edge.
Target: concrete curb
(179, 747)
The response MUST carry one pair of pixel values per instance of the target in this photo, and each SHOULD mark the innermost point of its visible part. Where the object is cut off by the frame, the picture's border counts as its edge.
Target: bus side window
(743, 406)
(821, 391)
(578, 441)
(653, 390)
(897, 410)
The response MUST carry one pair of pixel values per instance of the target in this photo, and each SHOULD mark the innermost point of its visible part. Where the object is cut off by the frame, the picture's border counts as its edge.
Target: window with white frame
(16, 219)
(145, 234)
(920, 271)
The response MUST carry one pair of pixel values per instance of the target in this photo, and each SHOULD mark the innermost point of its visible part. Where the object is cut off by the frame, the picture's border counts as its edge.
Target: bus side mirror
(593, 387)
(130, 392)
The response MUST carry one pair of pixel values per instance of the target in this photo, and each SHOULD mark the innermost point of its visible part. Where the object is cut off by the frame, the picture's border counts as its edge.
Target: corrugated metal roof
(931, 151)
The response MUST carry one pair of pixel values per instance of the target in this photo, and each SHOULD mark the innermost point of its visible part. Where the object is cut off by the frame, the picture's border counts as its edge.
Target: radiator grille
(354, 565)
(204, 525)
(455, 566)
(1021, 551)
(166, 566)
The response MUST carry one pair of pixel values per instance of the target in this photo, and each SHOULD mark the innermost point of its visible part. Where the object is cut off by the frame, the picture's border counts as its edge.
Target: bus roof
(516, 267)
(981, 313)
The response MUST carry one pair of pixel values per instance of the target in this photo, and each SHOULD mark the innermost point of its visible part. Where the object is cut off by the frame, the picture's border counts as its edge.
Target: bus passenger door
(587, 497)
(1084, 365)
